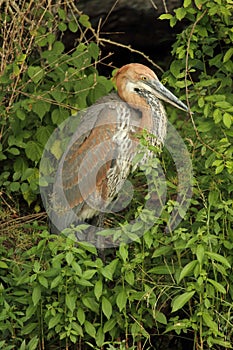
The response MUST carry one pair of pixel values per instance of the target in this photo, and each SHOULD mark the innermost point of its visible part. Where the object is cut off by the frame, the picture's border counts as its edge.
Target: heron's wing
(88, 160)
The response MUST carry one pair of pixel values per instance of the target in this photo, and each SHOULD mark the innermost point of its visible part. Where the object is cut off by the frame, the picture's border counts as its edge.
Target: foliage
(175, 286)
(41, 85)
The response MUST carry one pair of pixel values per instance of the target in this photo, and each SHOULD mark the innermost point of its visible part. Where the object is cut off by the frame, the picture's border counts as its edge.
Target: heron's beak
(159, 90)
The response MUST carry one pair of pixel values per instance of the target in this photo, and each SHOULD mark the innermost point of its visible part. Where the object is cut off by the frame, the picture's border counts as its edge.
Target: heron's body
(98, 162)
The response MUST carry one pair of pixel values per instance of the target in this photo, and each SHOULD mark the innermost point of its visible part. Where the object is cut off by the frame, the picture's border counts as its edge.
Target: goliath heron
(98, 162)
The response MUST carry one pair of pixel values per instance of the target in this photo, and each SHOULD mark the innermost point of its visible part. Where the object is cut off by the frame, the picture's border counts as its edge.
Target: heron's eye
(143, 77)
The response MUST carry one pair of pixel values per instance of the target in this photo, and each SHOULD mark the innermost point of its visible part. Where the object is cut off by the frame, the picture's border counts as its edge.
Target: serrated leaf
(181, 300)
(106, 307)
(121, 300)
(187, 269)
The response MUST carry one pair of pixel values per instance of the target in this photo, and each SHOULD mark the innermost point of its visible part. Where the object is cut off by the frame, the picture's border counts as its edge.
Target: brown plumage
(99, 160)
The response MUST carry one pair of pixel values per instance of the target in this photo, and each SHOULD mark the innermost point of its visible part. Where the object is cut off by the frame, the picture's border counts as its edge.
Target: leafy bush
(175, 286)
(41, 85)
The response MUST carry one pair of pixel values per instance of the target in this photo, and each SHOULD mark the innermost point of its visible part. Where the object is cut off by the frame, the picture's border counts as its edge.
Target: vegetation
(170, 290)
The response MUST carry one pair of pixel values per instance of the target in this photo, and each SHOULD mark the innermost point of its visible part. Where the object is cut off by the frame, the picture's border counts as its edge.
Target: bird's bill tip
(161, 92)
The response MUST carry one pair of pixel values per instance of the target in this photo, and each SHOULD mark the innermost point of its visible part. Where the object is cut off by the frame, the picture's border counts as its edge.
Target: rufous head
(135, 81)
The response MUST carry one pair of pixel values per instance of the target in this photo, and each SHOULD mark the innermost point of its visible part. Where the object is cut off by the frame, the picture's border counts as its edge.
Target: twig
(128, 47)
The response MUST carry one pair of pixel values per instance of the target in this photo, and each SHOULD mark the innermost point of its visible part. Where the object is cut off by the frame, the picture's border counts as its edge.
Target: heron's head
(135, 81)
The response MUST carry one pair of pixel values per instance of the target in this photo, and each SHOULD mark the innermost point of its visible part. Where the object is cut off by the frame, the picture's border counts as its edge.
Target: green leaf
(175, 68)
(29, 328)
(81, 316)
(161, 251)
(98, 289)
(84, 20)
(160, 317)
(56, 149)
(55, 320)
(181, 300)
(93, 49)
(14, 151)
(188, 269)
(165, 16)
(69, 258)
(34, 150)
(71, 301)
(99, 337)
(43, 134)
(109, 325)
(219, 258)
(35, 73)
(219, 287)
(123, 251)
(209, 322)
(43, 281)
(3, 265)
(228, 55)
(32, 345)
(88, 274)
(36, 295)
(90, 329)
(187, 3)
(180, 13)
(227, 120)
(57, 280)
(91, 304)
(121, 300)
(200, 253)
(73, 26)
(106, 307)
(129, 277)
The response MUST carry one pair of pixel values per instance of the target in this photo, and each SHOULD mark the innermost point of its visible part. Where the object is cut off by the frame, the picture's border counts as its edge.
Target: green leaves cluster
(202, 70)
(41, 88)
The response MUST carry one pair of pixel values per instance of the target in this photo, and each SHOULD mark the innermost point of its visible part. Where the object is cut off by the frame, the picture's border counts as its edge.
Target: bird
(99, 156)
